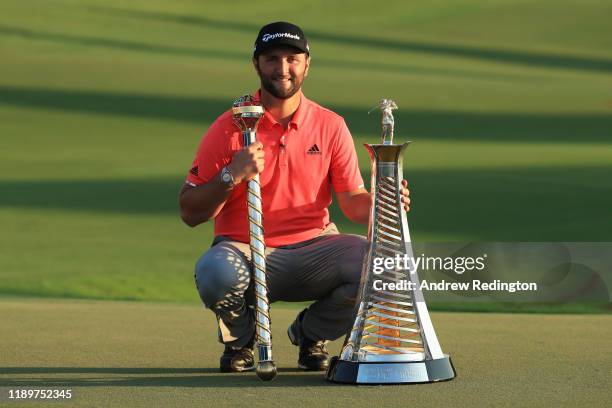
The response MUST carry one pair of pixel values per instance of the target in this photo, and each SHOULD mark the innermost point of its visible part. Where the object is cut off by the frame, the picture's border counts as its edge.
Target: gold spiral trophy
(246, 114)
(392, 340)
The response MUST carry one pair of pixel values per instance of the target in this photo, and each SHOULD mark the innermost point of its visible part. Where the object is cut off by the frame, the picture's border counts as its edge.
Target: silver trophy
(392, 339)
(246, 114)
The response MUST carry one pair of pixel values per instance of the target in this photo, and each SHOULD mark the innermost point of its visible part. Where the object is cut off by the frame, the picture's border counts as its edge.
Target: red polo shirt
(302, 164)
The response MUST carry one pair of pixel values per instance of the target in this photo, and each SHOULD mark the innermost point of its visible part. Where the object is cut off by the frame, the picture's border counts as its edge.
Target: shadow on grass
(243, 57)
(132, 196)
(524, 204)
(438, 125)
(133, 105)
(536, 308)
(125, 45)
(480, 53)
(153, 377)
(105, 370)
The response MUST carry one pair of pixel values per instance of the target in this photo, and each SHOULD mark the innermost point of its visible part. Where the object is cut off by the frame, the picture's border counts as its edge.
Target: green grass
(102, 105)
(149, 354)
(520, 307)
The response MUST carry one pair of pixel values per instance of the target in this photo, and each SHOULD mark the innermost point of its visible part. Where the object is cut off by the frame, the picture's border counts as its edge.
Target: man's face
(282, 70)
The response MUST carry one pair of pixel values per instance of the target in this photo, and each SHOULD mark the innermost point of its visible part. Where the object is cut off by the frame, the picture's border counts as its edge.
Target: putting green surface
(150, 354)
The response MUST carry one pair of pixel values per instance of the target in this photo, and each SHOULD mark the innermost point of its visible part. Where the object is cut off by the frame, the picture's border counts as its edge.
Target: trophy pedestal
(411, 372)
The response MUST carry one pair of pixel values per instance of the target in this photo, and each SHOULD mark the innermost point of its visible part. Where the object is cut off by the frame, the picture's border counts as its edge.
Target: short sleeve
(344, 168)
(213, 154)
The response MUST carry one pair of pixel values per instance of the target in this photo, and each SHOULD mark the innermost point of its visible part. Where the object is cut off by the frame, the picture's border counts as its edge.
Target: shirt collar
(296, 120)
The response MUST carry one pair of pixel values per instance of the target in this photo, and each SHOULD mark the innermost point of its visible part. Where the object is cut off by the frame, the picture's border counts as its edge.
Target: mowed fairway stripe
(152, 354)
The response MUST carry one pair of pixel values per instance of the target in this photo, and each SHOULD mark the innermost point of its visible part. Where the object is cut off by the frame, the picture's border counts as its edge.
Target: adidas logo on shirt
(314, 149)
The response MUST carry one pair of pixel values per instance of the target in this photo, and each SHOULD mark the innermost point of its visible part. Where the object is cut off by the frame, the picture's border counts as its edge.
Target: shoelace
(320, 347)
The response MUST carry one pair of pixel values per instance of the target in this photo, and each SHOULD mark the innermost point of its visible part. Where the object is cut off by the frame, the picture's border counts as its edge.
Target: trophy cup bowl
(246, 113)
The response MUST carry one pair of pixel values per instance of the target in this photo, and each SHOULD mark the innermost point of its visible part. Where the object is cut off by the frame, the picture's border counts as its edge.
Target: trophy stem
(266, 370)
(258, 259)
(249, 137)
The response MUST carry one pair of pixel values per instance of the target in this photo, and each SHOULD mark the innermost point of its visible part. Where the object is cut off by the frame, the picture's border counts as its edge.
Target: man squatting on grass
(303, 150)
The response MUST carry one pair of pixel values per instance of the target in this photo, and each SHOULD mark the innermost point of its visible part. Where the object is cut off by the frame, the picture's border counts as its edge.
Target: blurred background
(103, 104)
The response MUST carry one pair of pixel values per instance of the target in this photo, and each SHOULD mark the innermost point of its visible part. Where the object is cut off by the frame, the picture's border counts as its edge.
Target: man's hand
(405, 193)
(247, 162)
(356, 204)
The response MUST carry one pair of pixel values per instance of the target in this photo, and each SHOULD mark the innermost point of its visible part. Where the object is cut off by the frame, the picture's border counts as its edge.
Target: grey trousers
(325, 269)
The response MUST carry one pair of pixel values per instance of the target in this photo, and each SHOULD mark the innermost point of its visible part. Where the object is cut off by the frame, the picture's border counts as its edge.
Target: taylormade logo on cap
(268, 37)
(280, 33)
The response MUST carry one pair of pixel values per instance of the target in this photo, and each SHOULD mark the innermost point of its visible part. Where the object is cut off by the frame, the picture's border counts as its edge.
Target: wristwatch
(226, 177)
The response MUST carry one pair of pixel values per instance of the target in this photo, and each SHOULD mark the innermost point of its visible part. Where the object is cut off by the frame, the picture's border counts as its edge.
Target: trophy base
(413, 372)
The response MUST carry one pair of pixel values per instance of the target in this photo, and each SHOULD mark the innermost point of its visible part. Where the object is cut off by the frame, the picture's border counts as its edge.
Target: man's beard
(275, 89)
